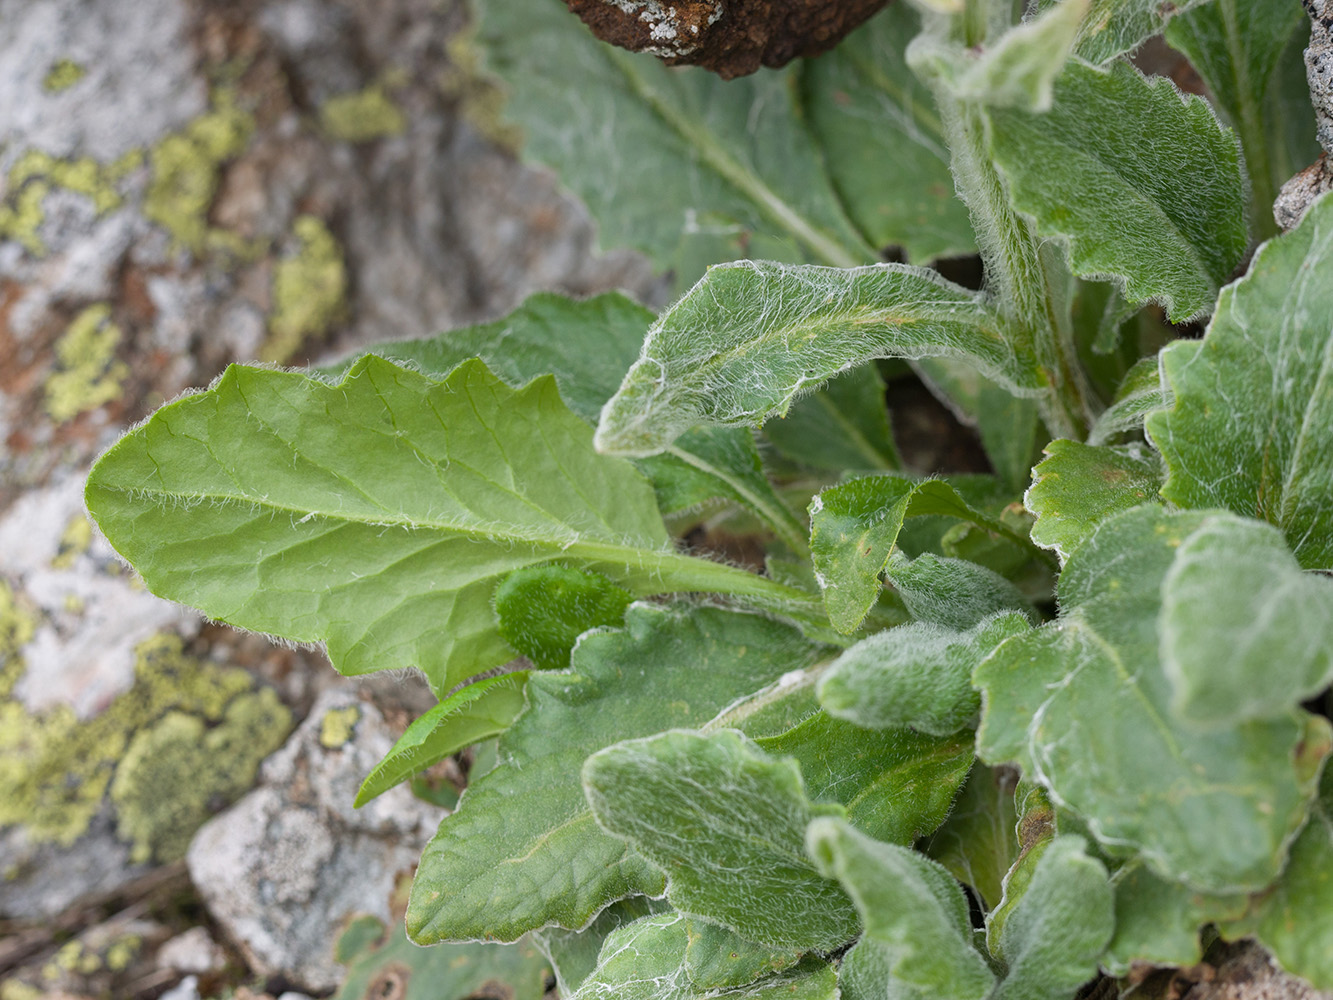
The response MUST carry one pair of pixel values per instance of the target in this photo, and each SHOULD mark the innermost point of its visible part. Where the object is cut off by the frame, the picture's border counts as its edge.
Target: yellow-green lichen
(74, 542)
(55, 769)
(362, 116)
(88, 373)
(187, 169)
(122, 952)
(17, 989)
(18, 624)
(309, 290)
(36, 174)
(337, 726)
(63, 74)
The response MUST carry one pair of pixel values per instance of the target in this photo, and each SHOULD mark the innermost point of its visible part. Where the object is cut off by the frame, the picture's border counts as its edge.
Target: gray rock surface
(285, 868)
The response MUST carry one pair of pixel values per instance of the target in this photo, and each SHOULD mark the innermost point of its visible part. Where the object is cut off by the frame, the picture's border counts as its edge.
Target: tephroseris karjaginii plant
(787, 782)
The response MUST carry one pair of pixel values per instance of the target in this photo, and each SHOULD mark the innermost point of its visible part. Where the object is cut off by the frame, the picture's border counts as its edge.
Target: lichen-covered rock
(284, 869)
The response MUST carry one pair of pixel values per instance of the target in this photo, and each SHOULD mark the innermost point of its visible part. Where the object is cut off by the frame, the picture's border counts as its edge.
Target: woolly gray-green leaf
(1078, 486)
(686, 167)
(853, 529)
(1139, 393)
(376, 515)
(954, 593)
(978, 842)
(1158, 921)
(648, 960)
(727, 824)
(1114, 27)
(486, 708)
(917, 929)
(844, 425)
(917, 675)
(896, 785)
(1053, 925)
(716, 958)
(751, 336)
(1081, 704)
(1166, 217)
(1019, 70)
(1245, 633)
(522, 850)
(1253, 406)
(573, 954)
(588, 346)
(867, 108)
(1237, 47)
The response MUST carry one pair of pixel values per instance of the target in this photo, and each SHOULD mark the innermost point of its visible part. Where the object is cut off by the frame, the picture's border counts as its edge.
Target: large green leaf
(1113, 27)
(716, 958)
(844, 425)
(1055, 921)
(588, 346)
(1237, 47)
(649, 960)
(1082, 705)
(378, 514)
(751, 336)
(917, 930)
(867, 108)
(382, 962)
(1158, 921)
(1166, 217)
(543, 610)
(726, 821)
(688, 168)
(1078, 486)
(481, 710)
(954, 593)
(573, 954)
(1253, 408)
(854, 527)
(1245, 633)
(523, 850)
(979, 841)
(917, 675)
(896, 785)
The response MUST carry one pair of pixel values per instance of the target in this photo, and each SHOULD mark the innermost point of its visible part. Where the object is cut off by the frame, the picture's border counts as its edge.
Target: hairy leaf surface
(543, 610)
(978, 842)
(573, 954)
(1078, 486)
(1167, 218)
(716, 958)
(1082, 705)
(954, 593)
(1140, 392)
(917, 929)
(1236, 651)
(751, 336)
(1114, 27)
(726, 821)
(1253, 406)
(648, 960)
(523, 850)
(844, 425)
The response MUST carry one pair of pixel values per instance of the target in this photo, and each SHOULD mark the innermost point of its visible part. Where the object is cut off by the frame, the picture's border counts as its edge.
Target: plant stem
(1023, 278)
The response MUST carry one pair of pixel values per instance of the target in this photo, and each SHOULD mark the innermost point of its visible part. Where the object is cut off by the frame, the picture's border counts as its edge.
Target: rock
(186, 989)
(288, 865)
(194, 951)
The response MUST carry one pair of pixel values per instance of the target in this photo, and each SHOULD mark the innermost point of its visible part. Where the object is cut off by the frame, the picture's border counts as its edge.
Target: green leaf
(853, 529)
(1158, 921)
(751, 336)
(648, 960)
(1081, 704)
(1294, 920)
(1140, 392)
(1020, 69)
(1253, 408)
(377, 515)
(1237, 47)
(1245, 633)
(867, 108)
(844, 425)
(978, 842)
(1078, 486)
(727, 823)
(523, 850)
(573, 954)
(917, 929)
(544, 609)
(1167, 217)
(896, 785)
(486, 708)
(951, 592)
(686, 167)
(715, 958)
(1054, 923)
(917, 675)
(400, 969)
(1115, 27)
(588, 346)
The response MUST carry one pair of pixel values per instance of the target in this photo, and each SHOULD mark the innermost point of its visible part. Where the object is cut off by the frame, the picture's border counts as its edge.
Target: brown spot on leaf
(390, 983)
